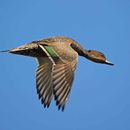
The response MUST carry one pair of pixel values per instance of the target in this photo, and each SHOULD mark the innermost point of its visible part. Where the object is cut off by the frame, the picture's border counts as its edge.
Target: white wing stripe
(47, 54)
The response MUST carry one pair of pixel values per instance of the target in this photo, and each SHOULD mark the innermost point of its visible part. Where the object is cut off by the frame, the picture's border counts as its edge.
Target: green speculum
(51, 52)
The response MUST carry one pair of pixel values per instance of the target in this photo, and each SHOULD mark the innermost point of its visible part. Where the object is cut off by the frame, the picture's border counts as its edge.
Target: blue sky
(100, 98)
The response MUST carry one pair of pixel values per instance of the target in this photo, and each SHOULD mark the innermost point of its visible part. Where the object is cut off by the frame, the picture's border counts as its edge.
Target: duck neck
(80, 50)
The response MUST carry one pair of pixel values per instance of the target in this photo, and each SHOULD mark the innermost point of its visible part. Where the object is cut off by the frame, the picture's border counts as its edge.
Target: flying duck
(57, 59)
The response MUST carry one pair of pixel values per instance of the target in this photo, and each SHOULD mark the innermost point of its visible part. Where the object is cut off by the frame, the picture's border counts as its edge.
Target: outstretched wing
(63, 76)
(44, 81)
(55, 74)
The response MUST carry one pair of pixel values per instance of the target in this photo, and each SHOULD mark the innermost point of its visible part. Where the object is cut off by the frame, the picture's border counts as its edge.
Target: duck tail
(4, 51)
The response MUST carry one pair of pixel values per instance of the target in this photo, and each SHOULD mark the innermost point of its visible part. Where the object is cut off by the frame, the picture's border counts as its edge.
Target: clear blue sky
(100, 97)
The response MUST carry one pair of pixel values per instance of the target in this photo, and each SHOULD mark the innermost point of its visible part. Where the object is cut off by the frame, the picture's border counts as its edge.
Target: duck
(57, 59)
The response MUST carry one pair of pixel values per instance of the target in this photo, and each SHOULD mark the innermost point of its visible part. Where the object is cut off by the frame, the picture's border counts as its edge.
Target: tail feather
(4, 51)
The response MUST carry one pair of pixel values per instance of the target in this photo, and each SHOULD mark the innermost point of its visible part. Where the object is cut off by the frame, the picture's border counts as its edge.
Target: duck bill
(108, 62)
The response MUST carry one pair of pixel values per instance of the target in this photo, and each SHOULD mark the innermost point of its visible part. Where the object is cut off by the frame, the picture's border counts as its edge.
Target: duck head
(97, 57)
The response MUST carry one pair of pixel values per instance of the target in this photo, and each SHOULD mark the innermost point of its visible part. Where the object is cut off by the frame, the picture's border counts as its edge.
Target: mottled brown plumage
(57, 59)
